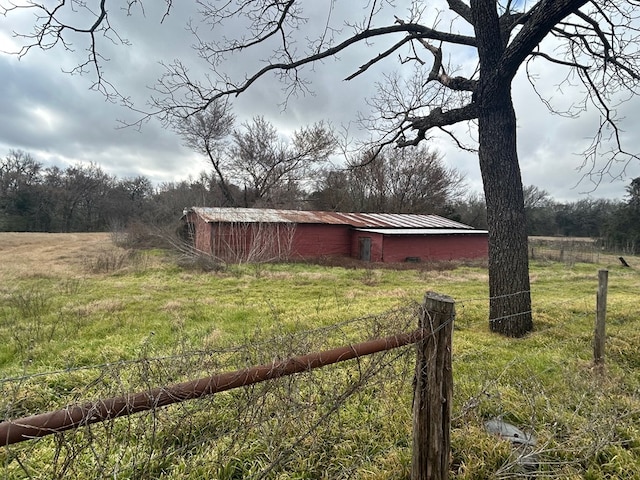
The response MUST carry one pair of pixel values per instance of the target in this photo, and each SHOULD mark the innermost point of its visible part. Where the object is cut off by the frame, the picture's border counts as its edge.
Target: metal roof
(423, 231)
(358, 220)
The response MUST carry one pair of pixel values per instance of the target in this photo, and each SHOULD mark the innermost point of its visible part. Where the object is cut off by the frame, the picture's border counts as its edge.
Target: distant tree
(80, 197)
(535, 197)
(20, 192)
(53, 186)
(471, 210)
(333, 191)
(206, 132)
(128, 200)
(633, 193)
(214, 193)
(171, 198)
(271, 166)
(622, 231)
(412, 180)
(33, 198)
(584, 218)
(136, 189)
(539, 208)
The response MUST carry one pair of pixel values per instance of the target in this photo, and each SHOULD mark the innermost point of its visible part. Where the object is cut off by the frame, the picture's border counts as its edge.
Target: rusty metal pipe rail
(19, 430)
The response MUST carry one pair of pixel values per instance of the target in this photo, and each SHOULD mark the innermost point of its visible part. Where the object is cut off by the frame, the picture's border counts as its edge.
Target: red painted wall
(201, 232)
(319, 240)
(435, 247)
(242, 241)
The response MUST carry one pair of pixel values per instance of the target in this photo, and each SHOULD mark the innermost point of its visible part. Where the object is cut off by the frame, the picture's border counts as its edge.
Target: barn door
(365, 249)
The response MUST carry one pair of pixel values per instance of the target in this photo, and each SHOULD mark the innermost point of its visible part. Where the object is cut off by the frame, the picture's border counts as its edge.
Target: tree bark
(508, 246)
(510, 298)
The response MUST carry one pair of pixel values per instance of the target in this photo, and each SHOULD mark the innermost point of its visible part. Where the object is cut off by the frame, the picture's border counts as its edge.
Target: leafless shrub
(110, 261)
(30, 307)
(190, 258)
(70, 286)
(248, 242)
(138, 235)
(370, 277)
(30, 304)
(200, 261)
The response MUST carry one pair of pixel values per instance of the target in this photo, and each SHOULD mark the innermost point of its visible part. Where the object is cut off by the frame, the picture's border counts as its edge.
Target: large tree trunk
(510, 298)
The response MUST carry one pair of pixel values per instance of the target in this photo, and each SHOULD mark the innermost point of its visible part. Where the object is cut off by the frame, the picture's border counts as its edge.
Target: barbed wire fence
(294, 426)
(565, 250)
(588, 427)
(572, 250)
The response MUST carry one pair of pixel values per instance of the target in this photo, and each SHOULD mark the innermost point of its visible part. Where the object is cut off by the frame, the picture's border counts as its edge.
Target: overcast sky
(60, 121)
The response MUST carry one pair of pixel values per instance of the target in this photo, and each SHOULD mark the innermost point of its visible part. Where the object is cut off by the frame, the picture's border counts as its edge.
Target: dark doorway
(365, 249)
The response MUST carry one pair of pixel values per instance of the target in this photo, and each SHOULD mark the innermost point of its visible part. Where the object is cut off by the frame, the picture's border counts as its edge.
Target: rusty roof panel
(359, 220)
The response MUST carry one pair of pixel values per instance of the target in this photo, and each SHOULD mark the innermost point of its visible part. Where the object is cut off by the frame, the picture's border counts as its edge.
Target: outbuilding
(253, 234)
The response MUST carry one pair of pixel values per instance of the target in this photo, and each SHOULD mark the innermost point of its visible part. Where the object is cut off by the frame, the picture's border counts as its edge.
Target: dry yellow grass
(34, 254)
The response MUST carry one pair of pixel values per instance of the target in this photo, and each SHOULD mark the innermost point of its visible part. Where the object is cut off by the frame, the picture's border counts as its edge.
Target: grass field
(81, 318)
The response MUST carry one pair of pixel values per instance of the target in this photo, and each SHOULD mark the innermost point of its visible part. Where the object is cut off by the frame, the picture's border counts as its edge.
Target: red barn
(252, 234)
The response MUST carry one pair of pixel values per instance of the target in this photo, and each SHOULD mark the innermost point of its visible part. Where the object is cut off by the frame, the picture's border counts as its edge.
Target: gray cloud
(57, 118)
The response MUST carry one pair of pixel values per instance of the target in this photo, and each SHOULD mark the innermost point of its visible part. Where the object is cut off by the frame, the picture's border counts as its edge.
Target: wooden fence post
(601, 314)
(433, 390)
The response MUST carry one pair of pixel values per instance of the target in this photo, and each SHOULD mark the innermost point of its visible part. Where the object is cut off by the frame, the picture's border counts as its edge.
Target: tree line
(83, 198)
(616, 223)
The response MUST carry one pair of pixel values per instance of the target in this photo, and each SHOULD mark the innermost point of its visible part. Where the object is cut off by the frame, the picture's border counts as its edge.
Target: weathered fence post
(601, 314)
(433, 390)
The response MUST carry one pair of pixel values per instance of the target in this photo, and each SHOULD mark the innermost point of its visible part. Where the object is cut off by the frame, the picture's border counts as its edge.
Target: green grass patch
(122, 322)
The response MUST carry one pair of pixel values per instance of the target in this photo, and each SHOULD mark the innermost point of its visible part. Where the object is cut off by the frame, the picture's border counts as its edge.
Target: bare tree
(82, 197)
(535, 197)
(409, 180)
(20, 179)
(18, 168)
(332, 191)
(539, 209)
(206, 132)
(267, 163)
(271, 167)
(596, 42)
(472, 210)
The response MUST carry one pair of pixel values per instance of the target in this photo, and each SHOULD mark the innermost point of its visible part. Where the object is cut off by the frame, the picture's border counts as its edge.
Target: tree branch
(462, 9)
(558, 61)
(417, 31)
(365, 67)
(438, 72)
(437, 118)
(539, 22)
